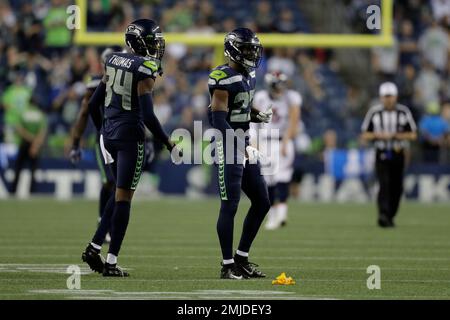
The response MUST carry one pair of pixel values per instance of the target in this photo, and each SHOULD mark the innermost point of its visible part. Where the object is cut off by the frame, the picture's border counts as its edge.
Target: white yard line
(38, 266)
(392, 249)
(258, 257)
(362, 280)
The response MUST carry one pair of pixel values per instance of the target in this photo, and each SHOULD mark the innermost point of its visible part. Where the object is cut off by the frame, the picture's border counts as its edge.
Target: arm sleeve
(151, 121)
(95, 102)
(219, 121)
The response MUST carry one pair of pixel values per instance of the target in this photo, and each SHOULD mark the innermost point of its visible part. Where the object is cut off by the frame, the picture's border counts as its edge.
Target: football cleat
(231, 272)
(113, 270)
(385, 222)
(248, 269)
(93, 258)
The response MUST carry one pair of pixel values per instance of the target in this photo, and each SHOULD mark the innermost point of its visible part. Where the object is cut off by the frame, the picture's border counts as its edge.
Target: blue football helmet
(144, 37)
(243, 47)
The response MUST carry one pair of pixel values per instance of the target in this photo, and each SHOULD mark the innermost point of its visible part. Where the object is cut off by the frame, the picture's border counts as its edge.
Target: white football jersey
(280, 119)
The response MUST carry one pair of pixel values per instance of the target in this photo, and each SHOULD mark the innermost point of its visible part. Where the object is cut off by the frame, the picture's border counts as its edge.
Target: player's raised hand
(265, 116)
(75, 155)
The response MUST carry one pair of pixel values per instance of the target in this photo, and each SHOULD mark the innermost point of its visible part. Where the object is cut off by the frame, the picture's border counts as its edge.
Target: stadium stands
(36, 68)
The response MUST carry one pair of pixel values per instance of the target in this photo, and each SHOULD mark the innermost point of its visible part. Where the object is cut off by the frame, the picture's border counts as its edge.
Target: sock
(241, 257)
(105, 222)
(242, 253)
(227, 262)
(119, 224)
(282, 211)
(105, 194)
(111, 259)
(96, 246)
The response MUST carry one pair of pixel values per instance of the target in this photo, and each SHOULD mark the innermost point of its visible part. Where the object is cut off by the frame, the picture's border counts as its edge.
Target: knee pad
(283, 191)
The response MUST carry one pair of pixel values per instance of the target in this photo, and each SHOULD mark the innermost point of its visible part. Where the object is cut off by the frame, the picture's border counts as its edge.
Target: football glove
(253, 155)
(75, 155)
(265, 116)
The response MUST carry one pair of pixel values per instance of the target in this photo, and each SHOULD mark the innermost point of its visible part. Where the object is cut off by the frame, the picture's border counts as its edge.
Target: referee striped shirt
(381, 120)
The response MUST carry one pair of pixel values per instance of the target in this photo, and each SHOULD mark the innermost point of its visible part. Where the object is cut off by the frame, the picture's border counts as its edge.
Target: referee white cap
(388, 89)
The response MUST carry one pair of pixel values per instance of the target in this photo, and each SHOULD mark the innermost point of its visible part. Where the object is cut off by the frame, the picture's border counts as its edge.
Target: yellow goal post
(269, 40)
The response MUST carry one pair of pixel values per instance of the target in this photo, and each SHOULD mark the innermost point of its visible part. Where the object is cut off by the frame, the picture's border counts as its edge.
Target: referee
(390, 126)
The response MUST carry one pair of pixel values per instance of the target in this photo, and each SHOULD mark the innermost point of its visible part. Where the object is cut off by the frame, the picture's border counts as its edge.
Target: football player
(125, 93)
(286, 105)
(77, 132)
(231, 87)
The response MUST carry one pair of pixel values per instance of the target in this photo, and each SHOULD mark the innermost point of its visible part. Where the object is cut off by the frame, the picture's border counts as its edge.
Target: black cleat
(385, 222)
(93, 258)
(113, 270)
(248, 269)
(230, 271)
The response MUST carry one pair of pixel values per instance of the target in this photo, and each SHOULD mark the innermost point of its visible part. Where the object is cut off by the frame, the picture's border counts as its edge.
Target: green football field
(172, 252)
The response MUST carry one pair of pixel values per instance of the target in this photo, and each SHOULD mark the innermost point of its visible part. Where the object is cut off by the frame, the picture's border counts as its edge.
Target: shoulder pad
(218, 75)
(149, 67)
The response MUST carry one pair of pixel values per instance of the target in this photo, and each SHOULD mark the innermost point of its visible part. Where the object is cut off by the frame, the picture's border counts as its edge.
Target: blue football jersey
(123, 116)
(240, 87)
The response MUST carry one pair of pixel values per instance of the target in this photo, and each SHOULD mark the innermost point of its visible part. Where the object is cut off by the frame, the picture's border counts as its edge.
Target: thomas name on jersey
(121, 61)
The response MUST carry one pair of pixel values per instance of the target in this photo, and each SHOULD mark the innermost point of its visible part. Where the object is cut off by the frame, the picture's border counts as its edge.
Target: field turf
(172, 252)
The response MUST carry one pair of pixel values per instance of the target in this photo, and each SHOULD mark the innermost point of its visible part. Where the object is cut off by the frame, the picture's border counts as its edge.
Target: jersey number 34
(120, 83)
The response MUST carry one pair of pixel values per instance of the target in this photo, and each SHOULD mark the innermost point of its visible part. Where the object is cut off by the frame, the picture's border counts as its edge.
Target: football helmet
(243, 47)
(275, 81)
(144, 38)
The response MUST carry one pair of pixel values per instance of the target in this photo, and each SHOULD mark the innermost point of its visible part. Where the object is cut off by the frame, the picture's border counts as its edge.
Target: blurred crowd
(41, 70)
(419, 64)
